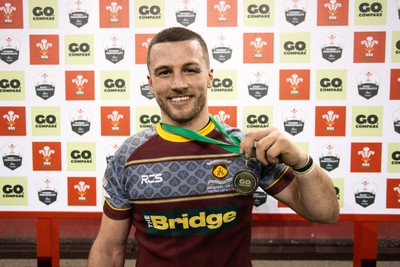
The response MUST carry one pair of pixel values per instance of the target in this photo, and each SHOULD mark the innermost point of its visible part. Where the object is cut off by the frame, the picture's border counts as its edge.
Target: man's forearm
(101, 258)
(318, 196)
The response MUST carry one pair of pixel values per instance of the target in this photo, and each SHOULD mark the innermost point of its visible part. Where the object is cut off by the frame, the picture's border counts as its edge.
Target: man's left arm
(311, 193)
(313, 196)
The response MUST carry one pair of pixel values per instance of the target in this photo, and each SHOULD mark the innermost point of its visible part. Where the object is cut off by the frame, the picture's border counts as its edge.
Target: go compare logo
(191, 221)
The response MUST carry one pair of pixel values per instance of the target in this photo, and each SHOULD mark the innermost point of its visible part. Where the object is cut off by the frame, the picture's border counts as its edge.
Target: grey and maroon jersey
(180, 197)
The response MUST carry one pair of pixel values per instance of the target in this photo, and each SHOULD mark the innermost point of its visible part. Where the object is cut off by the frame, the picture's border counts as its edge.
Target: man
(187, 183)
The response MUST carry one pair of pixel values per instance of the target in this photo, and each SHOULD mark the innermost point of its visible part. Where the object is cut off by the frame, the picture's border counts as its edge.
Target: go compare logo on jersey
(196, 221)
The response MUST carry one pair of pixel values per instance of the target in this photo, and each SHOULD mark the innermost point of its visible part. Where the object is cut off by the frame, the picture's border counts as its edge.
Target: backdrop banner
(73, 86)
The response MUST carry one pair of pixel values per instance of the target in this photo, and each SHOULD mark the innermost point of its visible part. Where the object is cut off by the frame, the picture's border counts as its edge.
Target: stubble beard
(181, 115)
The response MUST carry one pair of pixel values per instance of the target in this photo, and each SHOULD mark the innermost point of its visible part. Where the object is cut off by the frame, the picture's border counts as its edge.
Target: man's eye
(164, 73)
(192, 70)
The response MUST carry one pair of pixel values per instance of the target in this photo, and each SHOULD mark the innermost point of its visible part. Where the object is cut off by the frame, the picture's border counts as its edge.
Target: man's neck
(195, 125)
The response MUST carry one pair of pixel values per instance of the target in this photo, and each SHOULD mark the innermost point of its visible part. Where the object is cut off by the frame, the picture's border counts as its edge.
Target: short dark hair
(177, 34)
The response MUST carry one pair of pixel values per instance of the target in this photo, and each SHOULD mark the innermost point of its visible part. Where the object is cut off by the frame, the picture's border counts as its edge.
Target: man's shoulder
(231, 130)
(136, 140)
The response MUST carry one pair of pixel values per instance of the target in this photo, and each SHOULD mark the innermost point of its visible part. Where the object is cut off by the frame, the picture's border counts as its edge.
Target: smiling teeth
(177, 99)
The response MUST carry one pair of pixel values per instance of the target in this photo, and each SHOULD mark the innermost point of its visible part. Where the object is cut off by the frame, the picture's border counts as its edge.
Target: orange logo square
(227, 115)
(395, 84)
(369, 47)
(393, 194)
(258, 48)
(12, 121)
(115, 121)
(46, 156)
(114, 14)
(79, 85)
(44, 49)
(222, 13)
(294, 85)
(330, 121)
(366, 157)
(82, 191)
(141, 43)
(12, 15)
(333, 13)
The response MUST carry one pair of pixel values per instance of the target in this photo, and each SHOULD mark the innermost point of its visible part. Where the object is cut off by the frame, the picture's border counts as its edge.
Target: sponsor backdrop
(73, 86)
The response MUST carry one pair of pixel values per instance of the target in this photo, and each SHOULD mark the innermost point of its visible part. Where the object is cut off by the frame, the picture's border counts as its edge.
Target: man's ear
(150, 81)
(211, 78)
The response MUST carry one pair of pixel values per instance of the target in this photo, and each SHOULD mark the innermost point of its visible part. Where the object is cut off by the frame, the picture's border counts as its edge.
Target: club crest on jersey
(219, 169)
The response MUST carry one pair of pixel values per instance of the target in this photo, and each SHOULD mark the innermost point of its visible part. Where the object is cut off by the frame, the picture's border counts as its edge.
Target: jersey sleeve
(275, 178)
(117, 203)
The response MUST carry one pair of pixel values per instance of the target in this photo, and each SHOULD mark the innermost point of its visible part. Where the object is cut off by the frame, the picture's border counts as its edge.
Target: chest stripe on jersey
(174, 200)
(186, 157)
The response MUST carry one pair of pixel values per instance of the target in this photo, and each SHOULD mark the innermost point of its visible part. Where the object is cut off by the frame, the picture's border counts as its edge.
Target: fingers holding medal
(270, 146)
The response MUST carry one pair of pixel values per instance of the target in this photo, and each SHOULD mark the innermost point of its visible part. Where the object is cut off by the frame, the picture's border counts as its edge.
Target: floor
(131, 263)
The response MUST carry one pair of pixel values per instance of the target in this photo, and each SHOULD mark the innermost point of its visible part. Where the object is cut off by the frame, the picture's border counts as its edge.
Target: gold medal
(245, 182)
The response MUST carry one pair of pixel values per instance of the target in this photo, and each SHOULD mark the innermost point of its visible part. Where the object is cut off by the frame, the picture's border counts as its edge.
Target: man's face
(179, 77)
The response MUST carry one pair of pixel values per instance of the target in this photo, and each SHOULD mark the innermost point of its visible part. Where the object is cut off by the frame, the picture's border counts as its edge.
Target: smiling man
(186, 184)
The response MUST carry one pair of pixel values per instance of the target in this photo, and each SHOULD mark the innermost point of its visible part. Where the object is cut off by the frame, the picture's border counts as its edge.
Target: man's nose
(178, 82)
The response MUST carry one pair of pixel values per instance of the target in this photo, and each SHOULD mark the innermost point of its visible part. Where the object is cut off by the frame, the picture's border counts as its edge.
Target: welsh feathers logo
(12, 121)
(12, 13)
(330, 121)
(79, 85)
(226, 114)
(333, 13)
(114, 14)
(46, 156)
(44, 49)
(395, 84)
(294, 85)
(366, 157)
(258, 48)
(81, 191)
(115, 121)
(141, 44)
(393, 194)
(222, 13)
(369, 47)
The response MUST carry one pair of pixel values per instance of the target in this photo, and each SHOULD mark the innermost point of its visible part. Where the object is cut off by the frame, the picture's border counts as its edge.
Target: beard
(180, 114)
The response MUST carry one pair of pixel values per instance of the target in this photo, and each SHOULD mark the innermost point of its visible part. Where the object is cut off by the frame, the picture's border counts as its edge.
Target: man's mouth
(179, 99)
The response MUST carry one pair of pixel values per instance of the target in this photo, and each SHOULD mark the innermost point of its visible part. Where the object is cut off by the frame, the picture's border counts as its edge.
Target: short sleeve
(116, 197)
(275, 178)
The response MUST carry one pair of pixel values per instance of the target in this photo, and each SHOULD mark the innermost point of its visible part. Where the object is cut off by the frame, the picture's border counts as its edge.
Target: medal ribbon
(234, 148)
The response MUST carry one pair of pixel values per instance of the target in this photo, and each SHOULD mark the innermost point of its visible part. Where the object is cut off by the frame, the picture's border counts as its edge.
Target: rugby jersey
(180, 197)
